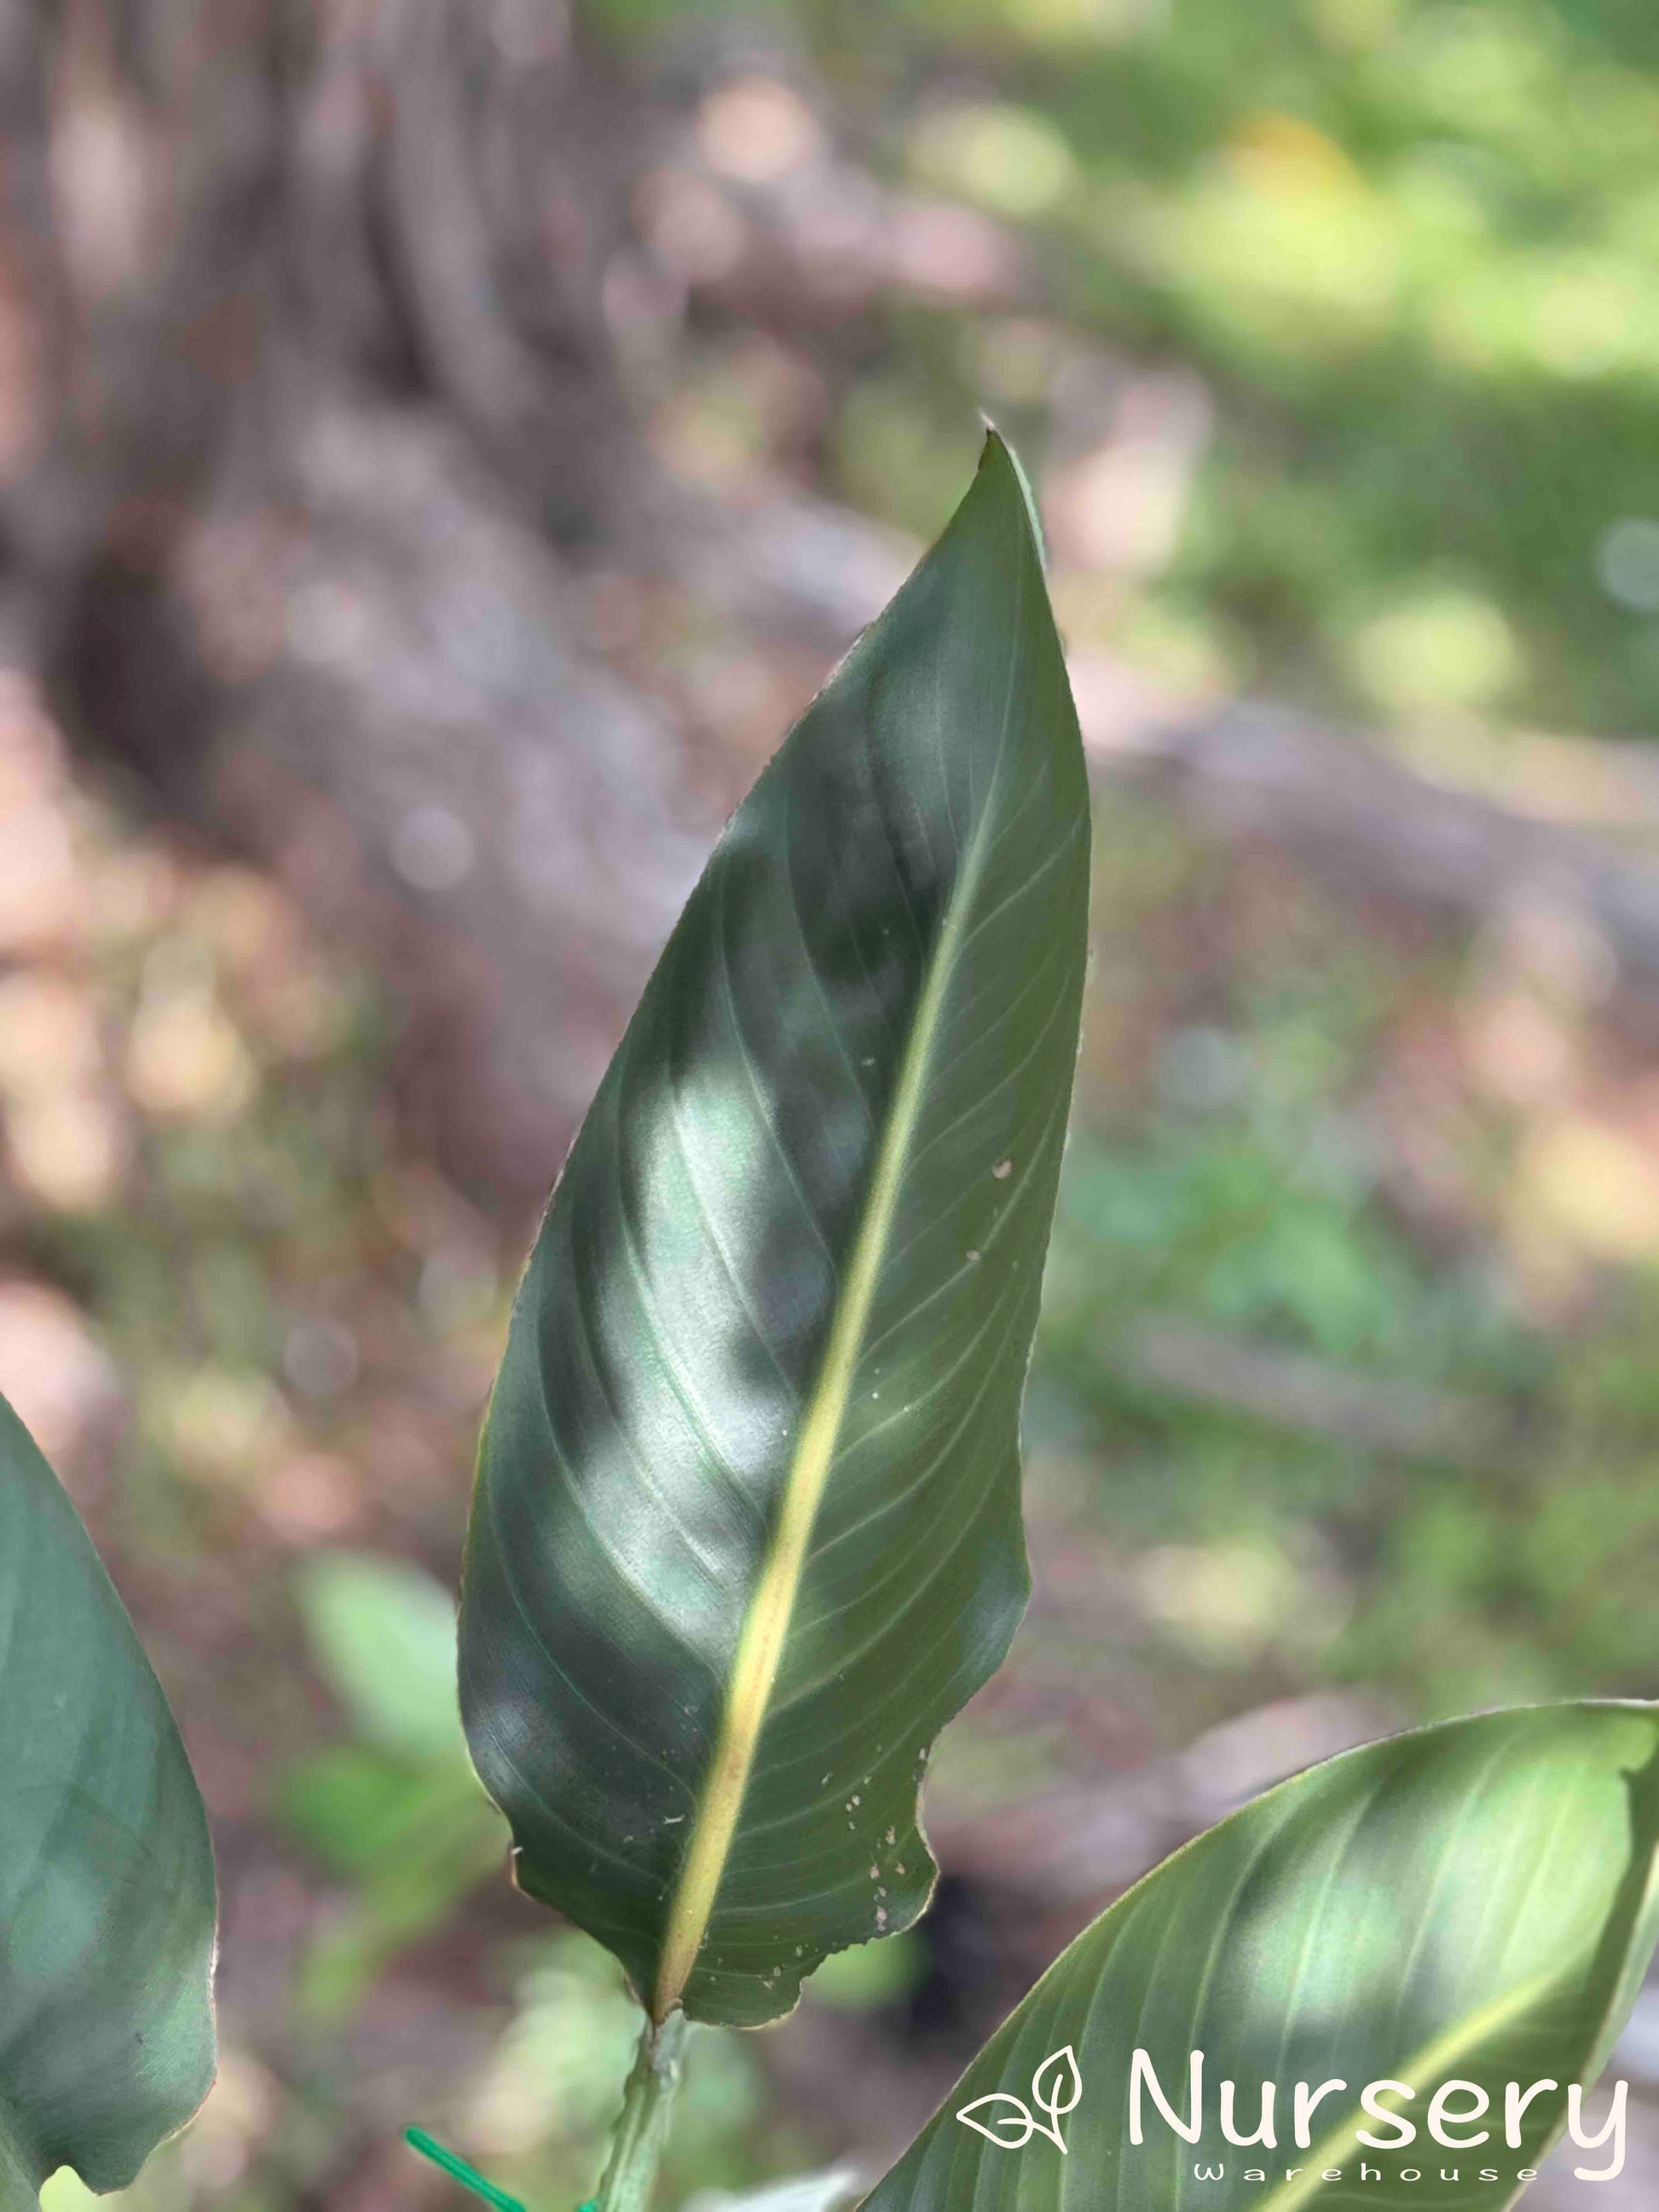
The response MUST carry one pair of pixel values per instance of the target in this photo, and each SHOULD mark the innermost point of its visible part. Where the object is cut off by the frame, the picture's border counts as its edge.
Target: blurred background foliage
(1331, 332)
(1404, 254)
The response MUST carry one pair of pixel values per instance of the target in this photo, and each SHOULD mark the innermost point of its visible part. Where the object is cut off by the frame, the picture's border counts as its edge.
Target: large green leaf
(746, 1529)
(106, 1893)
(1474, 1902)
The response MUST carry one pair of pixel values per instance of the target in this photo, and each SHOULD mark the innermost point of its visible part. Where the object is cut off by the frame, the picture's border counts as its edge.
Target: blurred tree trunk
(307, 417)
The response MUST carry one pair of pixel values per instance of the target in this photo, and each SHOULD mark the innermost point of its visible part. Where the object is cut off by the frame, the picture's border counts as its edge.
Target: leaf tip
(997, 458)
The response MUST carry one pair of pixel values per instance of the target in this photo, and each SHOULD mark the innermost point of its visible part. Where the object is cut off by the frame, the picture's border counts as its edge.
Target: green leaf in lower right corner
(1472, 1904)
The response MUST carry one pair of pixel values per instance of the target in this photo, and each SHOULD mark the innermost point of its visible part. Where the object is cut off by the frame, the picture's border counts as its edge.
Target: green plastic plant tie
(469, 2177)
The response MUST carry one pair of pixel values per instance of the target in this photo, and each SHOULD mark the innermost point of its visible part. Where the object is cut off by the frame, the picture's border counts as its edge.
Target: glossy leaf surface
(1471, 1903)
(746, 1529)
(106, 1891)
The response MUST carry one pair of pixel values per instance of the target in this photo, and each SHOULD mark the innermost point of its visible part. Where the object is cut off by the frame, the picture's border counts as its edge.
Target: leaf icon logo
(1056, 2089)
(1017, 2115)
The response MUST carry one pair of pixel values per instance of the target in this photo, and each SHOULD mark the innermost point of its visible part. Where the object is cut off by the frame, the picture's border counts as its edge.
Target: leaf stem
(636, 2148)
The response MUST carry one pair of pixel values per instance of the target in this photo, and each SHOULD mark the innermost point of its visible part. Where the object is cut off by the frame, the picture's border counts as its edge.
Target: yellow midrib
(760, 1647)
(1427, 2064)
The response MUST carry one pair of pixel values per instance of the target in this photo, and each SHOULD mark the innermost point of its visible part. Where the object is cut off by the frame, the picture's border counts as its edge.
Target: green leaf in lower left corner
(106, 1888)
